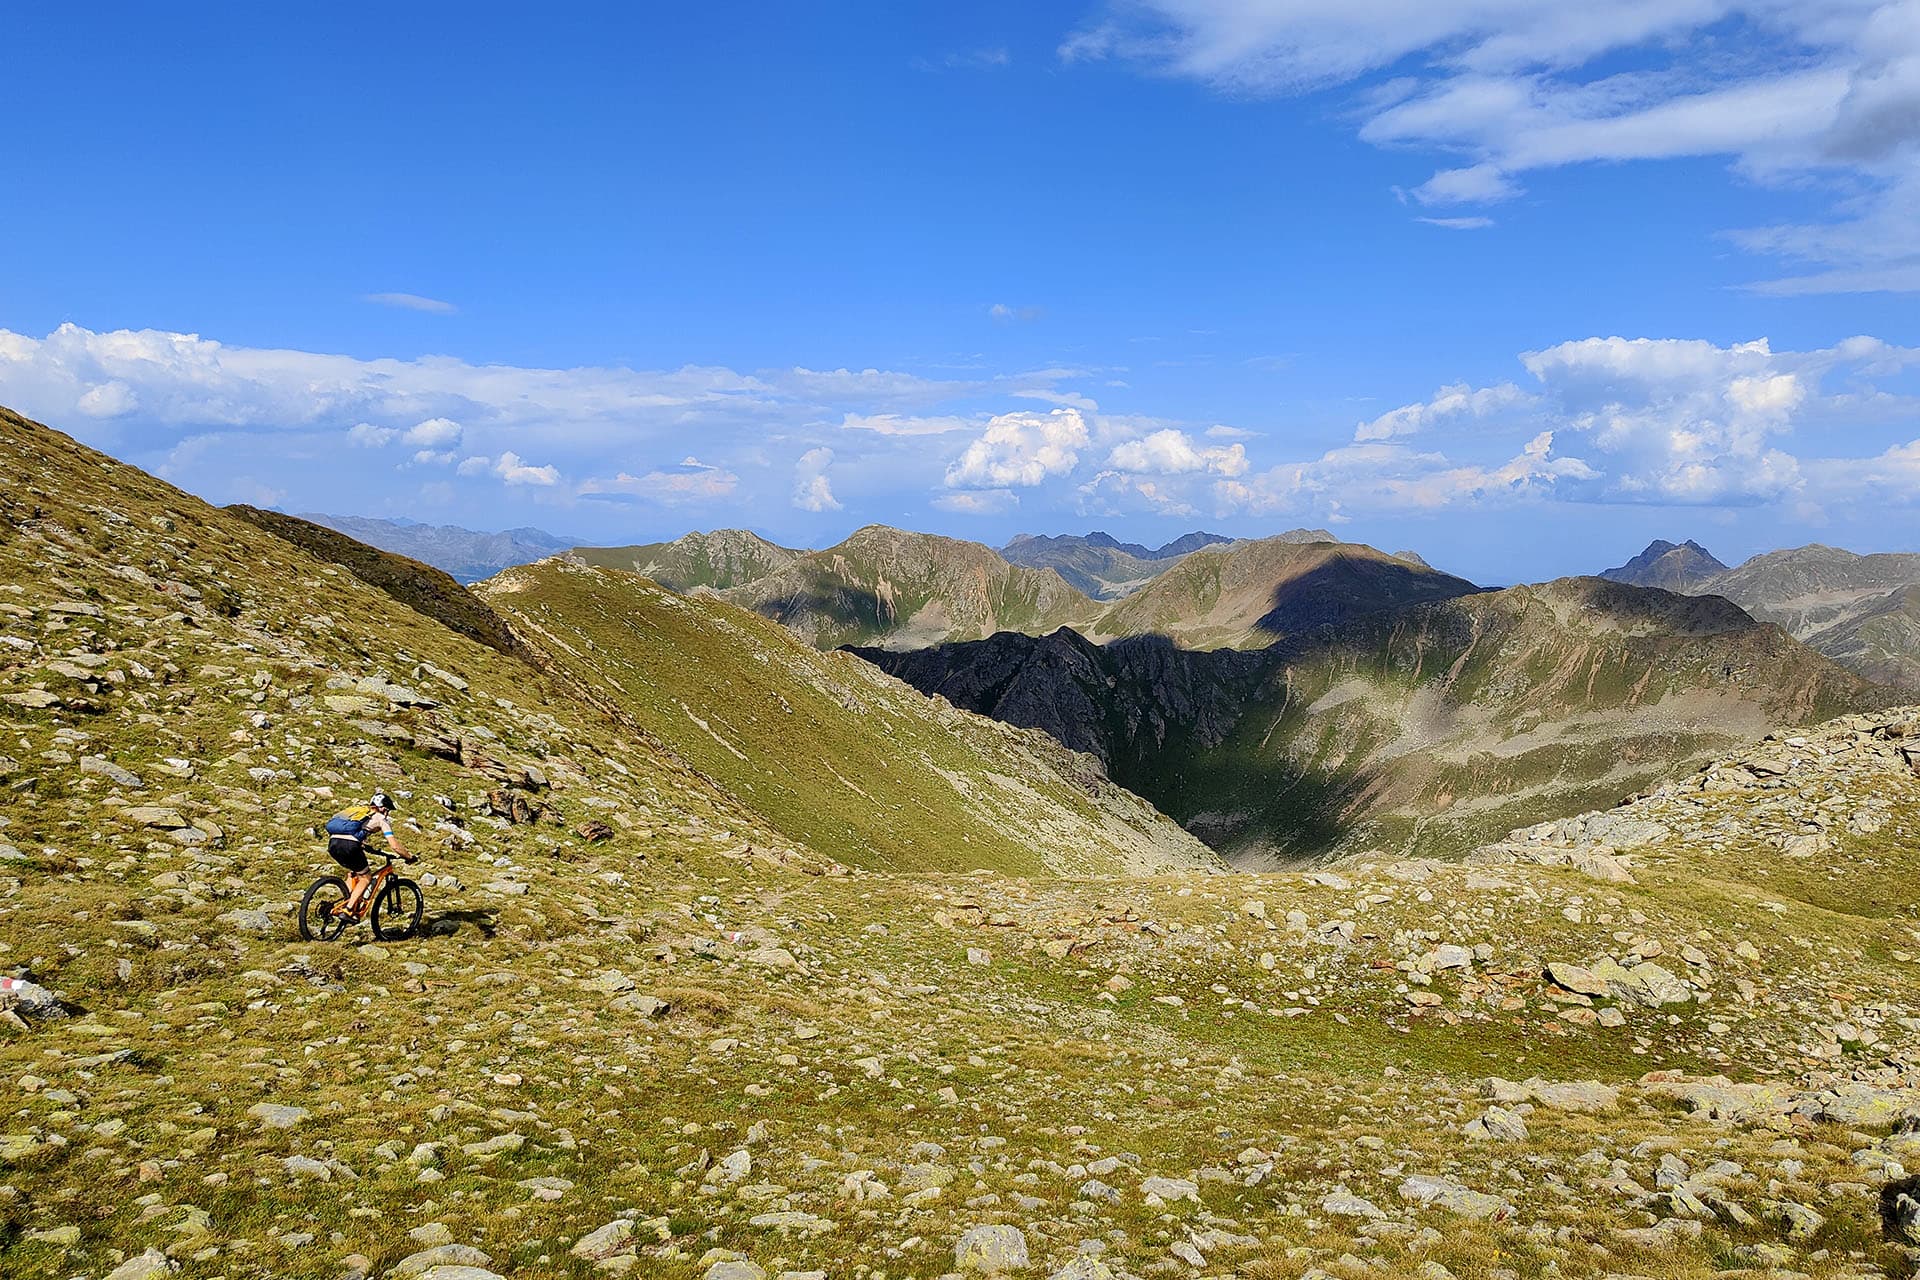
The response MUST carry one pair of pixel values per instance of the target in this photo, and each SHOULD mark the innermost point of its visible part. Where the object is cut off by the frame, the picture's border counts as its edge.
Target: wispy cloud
(1823, 93)
(410, 302)
(990, 58)
(1459, 224)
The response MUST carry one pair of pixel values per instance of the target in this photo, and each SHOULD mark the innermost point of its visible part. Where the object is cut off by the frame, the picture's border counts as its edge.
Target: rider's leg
(352, 858)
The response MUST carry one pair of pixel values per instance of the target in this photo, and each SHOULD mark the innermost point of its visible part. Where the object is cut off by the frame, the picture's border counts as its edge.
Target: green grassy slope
(851, 763)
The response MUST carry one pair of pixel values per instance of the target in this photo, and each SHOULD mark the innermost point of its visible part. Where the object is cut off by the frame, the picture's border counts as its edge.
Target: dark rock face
(1124, 703)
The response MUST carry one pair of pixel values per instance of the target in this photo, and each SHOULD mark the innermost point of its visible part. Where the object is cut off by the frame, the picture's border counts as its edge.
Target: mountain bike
(392, 901)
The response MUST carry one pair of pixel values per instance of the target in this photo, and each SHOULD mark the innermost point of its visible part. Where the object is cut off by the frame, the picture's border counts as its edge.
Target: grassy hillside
(1423, 732)
(831, 753)
(718, 560)
(1105, 568)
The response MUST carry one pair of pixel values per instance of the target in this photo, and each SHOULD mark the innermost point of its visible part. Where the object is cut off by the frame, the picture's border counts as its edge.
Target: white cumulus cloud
(513, 469)
(1455, 401)
(1173, 452)
(367, 436)
(434, 433)
(1020, 450)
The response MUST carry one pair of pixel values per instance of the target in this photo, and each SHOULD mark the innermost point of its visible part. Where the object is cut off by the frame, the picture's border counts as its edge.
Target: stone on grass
(29, 998)
(604, 1242)
(1497, 1125)
(1576, 978)
(308, 1167)
(149, 1264)
(439, 1257)
(1444, 1193)
(793, 1220)
(277, 1115)
(147, 815)
(1344, 1204)
(645, 1005)
(1170, 1189)
(731, 1169)
(105, 768)
(991, 1250)
(1083, 1267)
(248, 920)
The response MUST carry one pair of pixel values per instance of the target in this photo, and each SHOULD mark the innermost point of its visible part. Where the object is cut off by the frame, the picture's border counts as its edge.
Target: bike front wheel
(396, 912)
(323, 910)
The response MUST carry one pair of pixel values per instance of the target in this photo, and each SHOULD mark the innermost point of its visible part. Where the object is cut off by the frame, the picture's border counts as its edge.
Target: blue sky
(1512, 283)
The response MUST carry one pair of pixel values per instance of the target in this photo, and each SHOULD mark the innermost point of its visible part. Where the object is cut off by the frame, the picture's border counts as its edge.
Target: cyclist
(347, 833)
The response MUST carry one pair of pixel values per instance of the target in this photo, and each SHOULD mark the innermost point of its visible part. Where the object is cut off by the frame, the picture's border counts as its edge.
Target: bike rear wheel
(323, 910)
(396, 912)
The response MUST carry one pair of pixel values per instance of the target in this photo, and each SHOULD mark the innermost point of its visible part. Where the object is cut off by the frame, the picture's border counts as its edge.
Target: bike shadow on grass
(447, 924)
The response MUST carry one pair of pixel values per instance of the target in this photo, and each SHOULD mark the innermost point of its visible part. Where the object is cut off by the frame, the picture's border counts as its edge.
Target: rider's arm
(393, 842)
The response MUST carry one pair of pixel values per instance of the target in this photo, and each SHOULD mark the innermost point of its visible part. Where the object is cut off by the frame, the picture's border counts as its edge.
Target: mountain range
(903, 590)
(1100, 565)
(1420, 731)
(1861, 610)
(466, 555)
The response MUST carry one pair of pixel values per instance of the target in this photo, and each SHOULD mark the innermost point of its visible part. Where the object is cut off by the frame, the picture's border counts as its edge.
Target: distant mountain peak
(1672, 566)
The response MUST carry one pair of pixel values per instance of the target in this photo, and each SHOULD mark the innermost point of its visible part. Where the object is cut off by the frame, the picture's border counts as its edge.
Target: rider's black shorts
(348, 852)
